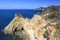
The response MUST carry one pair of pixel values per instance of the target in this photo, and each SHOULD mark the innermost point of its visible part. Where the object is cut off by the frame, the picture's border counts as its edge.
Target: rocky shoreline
(43, 26)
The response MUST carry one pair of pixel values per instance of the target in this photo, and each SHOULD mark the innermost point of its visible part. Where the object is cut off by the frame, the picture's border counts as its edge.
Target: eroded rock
(36, 28)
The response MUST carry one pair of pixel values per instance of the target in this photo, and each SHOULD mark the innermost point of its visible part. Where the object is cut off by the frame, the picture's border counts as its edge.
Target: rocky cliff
(36, 28)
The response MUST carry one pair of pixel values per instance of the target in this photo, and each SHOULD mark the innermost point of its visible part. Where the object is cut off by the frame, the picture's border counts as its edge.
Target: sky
(26, 4)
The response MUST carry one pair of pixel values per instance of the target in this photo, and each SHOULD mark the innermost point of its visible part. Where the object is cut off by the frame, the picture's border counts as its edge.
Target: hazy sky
(26, 4)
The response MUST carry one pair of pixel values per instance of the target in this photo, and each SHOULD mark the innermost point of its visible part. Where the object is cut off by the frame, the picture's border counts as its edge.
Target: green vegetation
(18, 15)
(13, 37)
(38, 13)
(53, 8)
(52, 18)
(9, 37)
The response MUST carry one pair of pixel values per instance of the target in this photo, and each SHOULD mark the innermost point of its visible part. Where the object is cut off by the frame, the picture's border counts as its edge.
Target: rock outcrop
(36, 28)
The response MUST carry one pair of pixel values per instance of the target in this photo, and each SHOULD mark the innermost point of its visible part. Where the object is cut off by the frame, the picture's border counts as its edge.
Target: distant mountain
(41, 8)
(49, 8)
(52, 10)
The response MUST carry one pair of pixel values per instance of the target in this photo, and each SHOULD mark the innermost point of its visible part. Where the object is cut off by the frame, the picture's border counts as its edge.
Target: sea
(6, 15)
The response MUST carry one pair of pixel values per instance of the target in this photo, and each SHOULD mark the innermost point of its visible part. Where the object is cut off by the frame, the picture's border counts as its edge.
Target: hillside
(42, 26)
(36, 28)
(52, 13)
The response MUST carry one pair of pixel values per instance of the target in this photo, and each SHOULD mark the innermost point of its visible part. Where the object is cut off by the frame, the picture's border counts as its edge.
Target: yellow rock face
(36, 28)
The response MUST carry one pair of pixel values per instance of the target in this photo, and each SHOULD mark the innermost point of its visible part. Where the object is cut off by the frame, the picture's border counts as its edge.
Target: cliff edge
(36, 28)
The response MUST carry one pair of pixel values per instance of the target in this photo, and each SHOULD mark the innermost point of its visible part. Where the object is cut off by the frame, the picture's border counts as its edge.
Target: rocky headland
(42, 26)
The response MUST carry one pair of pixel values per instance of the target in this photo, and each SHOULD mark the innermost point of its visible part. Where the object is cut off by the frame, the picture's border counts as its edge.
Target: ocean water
(6, 15)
